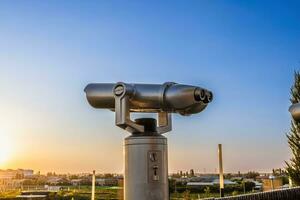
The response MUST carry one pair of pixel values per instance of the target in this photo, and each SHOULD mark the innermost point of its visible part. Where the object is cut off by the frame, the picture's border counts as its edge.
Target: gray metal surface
(146, 157)
(221, 174)
(295, 111)
(168, 97)
(146, 168)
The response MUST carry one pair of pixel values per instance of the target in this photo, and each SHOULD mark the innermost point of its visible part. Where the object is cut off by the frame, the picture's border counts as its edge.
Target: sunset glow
(5, 149)
(244, 53)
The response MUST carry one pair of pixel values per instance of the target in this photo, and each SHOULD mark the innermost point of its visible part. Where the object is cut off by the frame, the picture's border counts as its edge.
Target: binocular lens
(203, 95)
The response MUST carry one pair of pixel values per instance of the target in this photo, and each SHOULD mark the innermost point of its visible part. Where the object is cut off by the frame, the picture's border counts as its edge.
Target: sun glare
(5, 149)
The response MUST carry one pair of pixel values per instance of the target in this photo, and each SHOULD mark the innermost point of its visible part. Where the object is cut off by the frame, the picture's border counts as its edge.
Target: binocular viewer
(146, 150)
(295, 111)
(163, 99)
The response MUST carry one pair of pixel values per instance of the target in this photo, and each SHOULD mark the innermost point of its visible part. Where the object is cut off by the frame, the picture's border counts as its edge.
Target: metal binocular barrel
(168, 97)
(295, 111)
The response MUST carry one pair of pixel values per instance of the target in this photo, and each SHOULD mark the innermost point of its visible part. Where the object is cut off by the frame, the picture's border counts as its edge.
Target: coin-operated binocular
(295, 111)
(146, 158)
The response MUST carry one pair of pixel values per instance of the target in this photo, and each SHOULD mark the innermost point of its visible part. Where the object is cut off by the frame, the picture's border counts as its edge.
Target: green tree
(192, 173)
(293, 166)
(186, 195)
(207, 191)
(252, 175)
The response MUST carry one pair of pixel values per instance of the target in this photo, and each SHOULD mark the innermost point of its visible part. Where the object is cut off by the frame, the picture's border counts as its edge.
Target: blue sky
(244, 51)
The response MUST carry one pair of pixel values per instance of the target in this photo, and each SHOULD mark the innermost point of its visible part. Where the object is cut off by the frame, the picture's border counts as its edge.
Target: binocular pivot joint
(122, 94)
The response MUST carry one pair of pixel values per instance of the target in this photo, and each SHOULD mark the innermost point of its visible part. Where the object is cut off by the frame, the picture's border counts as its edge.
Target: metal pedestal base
(221, 192)
(146, 168)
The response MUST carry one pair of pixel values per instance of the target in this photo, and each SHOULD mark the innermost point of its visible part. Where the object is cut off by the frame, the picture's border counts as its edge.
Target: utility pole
(290, 182)
(272, 181)
(93, 185)
(221, 175)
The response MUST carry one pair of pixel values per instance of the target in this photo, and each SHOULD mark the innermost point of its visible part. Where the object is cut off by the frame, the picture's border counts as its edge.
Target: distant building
(19, 173)
(258, 186)
(53, 188)
(31, 197)
(37, 195)
(8, 174)
(107, 181)
(272, 183)
(200, 184)
(53, 180)
(76, 182)
(207, 181)
(28, 173)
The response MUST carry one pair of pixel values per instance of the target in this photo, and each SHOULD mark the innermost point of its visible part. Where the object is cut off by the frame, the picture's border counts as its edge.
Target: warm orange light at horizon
(5, 149)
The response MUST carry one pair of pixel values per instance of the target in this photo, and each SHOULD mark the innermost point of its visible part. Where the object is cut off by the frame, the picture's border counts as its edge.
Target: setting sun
(5, 149)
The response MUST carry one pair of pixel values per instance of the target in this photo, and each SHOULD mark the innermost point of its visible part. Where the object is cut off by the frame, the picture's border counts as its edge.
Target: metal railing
(282, 194)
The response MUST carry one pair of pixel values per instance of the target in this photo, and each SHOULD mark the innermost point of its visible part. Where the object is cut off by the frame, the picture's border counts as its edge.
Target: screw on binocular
(119, 90)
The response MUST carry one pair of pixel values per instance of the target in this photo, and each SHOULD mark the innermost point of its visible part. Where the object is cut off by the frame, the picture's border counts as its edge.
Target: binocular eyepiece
(168, 97)
(295, 111)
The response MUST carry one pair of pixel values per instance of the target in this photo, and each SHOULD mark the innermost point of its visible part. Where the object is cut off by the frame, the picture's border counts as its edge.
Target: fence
(284, 194)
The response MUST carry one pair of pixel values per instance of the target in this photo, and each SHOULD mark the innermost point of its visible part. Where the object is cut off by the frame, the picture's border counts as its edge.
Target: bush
(186, 195)
(234, 193)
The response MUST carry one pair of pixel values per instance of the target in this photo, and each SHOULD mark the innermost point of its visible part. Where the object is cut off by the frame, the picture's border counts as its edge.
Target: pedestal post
(146, 166)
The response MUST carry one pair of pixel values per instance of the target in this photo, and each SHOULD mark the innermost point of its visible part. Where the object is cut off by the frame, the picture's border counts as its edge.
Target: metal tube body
(146, 168)
(169, 97)
(93, 185)
(295, 111)
(221, 175)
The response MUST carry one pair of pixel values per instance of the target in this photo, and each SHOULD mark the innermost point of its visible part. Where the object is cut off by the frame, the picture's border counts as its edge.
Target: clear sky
(244, 51)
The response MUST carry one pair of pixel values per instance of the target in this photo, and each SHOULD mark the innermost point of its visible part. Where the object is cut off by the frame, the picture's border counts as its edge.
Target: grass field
(105, 193)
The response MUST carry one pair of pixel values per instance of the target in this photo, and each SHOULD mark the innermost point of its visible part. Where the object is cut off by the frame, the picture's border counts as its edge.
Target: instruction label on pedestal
(154, 166)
